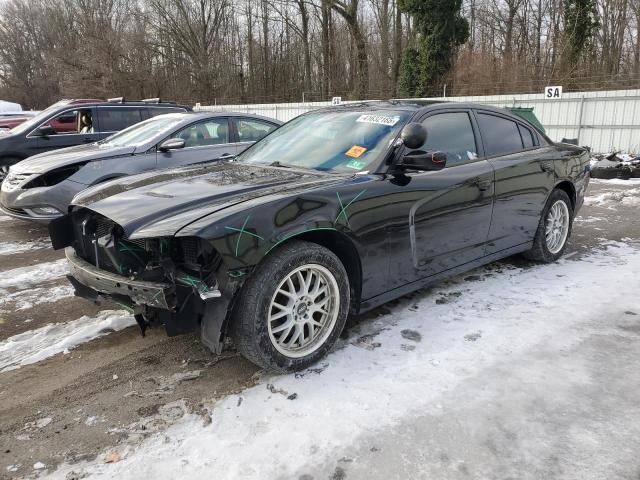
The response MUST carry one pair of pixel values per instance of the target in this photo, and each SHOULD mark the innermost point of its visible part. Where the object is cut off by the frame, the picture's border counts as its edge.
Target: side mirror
(171, 144)
(413, 135)
(46, 130)
(419, 160)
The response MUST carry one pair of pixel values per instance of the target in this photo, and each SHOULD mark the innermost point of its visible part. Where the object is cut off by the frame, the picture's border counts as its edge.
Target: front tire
(554, 229)
(292, 309)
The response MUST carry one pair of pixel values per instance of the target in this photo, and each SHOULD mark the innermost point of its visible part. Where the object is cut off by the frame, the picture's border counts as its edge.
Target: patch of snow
(5, 218)
(91, 421)
(36, 345)
(39, 466)
(624, 197)
(503, 313)
(10, 248)
(40, 423)
(14, 468)
(615, 181)
(24, 277)
(581, 219)
(24, 299)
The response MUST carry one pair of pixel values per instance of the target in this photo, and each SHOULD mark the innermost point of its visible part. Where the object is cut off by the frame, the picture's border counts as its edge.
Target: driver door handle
(226, 155)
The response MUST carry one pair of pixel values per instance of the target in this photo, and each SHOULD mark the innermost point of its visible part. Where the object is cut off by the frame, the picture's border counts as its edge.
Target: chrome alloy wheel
(303, 310)
(557, 226)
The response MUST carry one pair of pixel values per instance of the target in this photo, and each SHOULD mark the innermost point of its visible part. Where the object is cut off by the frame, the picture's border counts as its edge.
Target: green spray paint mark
(193, 282)
(123, 247)
(242, 231)
(126, 307)
(236, 274)
(299, 233)
(343, 208)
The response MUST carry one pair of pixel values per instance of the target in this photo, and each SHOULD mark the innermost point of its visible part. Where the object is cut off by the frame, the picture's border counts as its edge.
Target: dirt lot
(75, 405)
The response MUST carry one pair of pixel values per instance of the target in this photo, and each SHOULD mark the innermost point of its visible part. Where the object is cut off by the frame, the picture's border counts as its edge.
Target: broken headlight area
(187, 265)
(54, 177)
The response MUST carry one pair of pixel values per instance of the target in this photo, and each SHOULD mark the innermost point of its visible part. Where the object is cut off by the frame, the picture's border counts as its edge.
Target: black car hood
(162, 203)
(47, 161)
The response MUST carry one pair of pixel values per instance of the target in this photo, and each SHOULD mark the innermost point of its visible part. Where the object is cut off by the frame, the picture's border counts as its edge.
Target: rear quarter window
(114, 119)
(527, 136)
(155, 111)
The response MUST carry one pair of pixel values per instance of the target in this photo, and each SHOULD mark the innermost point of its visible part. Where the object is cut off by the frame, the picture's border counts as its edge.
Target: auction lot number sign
(553, 93)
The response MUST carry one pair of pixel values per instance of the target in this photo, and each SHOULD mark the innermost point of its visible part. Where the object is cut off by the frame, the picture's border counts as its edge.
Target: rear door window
(252, 130)
(451, 133)
(114, 119)
(500, 136)
(209, 132)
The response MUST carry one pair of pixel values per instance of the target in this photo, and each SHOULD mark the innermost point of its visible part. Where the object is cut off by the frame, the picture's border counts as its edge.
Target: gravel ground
(78, 404)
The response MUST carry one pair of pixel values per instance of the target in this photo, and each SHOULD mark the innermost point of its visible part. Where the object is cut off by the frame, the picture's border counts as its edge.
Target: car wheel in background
(553, 230)
(292, 309)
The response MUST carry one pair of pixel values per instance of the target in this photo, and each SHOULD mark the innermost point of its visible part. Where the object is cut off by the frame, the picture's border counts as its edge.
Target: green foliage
(441, 29)
(408, 73)
(580, 23)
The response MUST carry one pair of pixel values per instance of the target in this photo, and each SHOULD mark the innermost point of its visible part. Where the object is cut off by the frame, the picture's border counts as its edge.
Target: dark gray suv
(41, 187)
(74, 122)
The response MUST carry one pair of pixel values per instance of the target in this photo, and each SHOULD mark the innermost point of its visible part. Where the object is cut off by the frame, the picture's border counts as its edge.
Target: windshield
(143, 132)
(338, 141)
(37, 119)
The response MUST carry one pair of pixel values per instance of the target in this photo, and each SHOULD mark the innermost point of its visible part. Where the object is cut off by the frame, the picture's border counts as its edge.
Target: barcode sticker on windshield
(379, 119)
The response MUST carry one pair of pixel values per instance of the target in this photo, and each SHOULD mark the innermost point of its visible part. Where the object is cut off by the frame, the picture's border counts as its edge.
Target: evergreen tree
(580, 23)
(440, 29)
(408, 73)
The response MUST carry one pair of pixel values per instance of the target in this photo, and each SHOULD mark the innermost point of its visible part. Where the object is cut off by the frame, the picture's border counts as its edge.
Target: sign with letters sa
(553, 93)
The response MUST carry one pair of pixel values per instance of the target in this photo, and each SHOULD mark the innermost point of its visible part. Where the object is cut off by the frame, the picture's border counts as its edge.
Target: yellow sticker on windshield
(355, 151)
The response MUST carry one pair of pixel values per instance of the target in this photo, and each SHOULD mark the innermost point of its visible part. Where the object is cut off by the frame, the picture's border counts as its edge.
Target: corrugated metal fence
(605, 121)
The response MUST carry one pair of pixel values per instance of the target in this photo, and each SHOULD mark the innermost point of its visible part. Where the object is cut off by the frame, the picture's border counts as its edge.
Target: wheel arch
(344, 248)
(10, 156)
(569, 189)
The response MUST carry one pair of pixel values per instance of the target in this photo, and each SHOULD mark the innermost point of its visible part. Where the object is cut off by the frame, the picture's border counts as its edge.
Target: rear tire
(292, 309)
(554, 229)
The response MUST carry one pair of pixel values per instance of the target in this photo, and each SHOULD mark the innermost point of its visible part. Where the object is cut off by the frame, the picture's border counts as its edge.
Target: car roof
(422, 106)
(87, 103)
(214, 114)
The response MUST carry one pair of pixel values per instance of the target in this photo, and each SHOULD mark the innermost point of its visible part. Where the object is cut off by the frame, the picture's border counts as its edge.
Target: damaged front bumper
(100, 283)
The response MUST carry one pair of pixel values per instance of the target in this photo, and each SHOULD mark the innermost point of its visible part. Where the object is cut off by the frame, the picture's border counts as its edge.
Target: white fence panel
(605, 121)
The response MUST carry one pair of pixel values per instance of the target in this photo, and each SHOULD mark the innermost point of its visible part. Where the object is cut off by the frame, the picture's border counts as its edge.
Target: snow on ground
(4, 218)
(23, 299)
(391, 369)
(628, 197)
(615, 181)
(24, 277)
(36, 345)
(9, 248)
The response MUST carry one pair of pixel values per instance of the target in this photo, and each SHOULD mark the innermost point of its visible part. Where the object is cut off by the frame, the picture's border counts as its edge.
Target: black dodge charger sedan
(336, 212)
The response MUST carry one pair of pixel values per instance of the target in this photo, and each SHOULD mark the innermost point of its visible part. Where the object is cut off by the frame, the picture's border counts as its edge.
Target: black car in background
(336, 212)
(74, 122)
